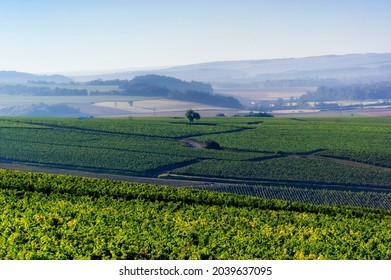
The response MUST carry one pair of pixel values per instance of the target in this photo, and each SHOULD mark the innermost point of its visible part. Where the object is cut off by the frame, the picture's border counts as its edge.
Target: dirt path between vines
(193, 143)
(146, 180)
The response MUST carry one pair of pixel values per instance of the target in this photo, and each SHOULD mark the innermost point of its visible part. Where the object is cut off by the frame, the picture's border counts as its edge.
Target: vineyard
(345, 154)
(320, 196)
(64, 217)
(276, 189)
(294, 170)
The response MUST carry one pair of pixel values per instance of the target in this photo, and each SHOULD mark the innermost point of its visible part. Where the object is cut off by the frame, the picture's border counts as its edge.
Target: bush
(210, 144)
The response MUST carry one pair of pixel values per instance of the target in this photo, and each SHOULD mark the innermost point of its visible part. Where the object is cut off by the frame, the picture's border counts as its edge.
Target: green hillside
(63, 217)
(344, 153)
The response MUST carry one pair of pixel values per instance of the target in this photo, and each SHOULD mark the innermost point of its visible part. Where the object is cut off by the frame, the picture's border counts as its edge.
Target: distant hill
(41, 110)
(343, 68)
(21, 77)
(171, 83)
(147, 85)
(328, 70)
(168, 87)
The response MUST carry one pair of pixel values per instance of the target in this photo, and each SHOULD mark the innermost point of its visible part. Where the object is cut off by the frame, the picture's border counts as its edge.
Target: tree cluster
(192, 115)
(167, 87)
(350, 92)
(148, 85)
(41, 91)
(41, 110)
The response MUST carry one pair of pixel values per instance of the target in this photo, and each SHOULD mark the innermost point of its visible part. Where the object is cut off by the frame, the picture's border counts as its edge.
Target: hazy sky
(45, 36)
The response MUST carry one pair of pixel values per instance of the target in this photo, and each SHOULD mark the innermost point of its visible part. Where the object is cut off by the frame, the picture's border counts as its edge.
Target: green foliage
(152, 127)
(291, 170)
(344, 152)
(210, 144)
(319, 196)
(155, 85)
(258, 115)
(169, 83)
(125, 146)
(192, 115)
(63, 217)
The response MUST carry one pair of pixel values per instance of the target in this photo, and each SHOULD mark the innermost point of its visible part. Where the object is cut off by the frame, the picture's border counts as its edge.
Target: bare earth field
(18, 100)
(119, 106)
(155, 107)
(136, 106)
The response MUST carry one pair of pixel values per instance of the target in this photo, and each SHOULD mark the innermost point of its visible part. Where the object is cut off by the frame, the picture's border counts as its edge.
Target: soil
(193, 143)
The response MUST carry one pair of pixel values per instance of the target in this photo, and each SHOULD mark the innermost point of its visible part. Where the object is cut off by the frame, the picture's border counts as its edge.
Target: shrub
(210, 144)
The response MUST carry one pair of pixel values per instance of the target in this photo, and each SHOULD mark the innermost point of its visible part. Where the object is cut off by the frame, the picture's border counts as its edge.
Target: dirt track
(193, 143)
(146, 180)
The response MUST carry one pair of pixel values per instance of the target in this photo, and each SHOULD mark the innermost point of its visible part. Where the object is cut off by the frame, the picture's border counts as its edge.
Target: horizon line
(81, 73)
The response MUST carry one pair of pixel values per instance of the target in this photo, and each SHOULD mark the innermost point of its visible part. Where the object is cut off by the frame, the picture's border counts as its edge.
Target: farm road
(193, 143)
(146, 180)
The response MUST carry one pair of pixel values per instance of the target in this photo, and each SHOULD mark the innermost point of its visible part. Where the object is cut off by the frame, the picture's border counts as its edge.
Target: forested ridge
(148, 85)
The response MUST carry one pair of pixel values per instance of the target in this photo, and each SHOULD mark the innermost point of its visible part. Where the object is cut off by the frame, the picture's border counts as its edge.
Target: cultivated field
(64, 217)
(160, 107)
(331, 178)
(341, 154)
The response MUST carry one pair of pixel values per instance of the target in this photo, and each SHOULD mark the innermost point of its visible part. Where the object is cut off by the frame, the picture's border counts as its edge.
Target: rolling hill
(351, 68)
(21, 77)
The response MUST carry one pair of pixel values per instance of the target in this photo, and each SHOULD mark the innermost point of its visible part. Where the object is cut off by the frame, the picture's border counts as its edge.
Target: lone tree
(191, 115)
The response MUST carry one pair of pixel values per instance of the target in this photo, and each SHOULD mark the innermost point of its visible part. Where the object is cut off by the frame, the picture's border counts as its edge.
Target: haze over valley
(251, 56)
(227, 88)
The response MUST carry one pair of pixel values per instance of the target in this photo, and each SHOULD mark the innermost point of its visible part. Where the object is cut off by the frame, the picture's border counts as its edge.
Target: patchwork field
(345, 154)
(278, 188)
(118, 106)
(160, 107)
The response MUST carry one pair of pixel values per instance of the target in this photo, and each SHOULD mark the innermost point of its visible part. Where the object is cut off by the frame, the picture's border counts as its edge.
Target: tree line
(349, 92)
(172, 88)
(41, 90)
(148, 85)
